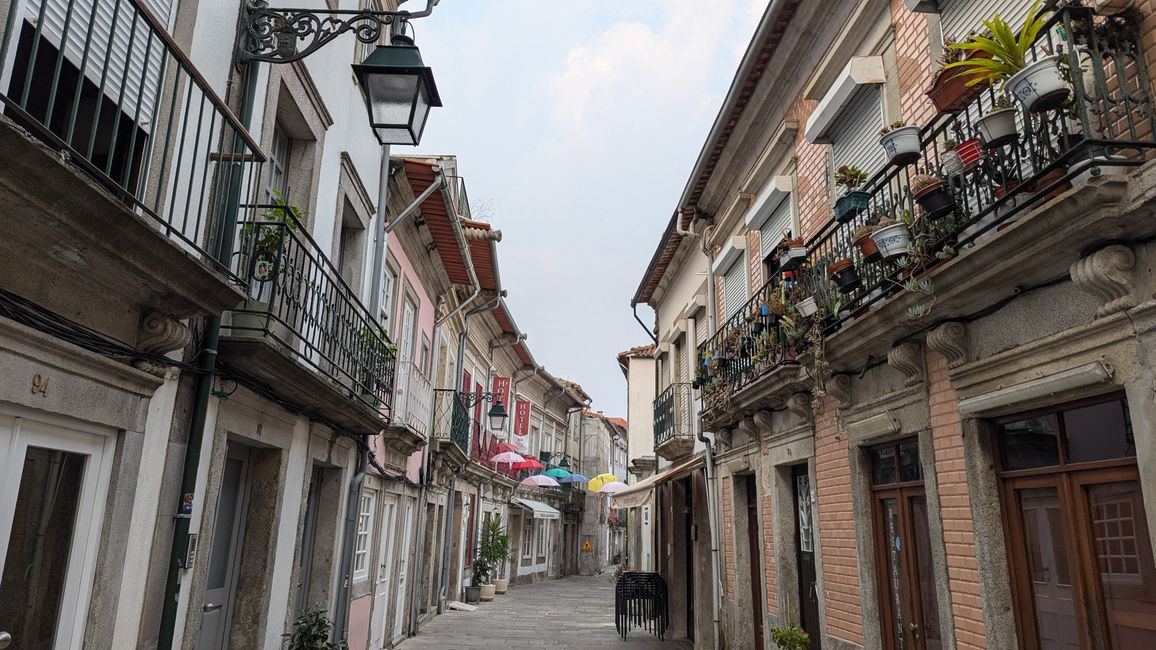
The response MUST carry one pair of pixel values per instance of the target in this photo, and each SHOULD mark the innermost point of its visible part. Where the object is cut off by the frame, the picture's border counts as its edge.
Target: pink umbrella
(613, 487)
(540, 480)
(507, 457)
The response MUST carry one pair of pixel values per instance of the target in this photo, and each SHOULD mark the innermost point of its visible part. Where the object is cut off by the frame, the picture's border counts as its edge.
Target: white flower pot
(501, 585)
(1040, 86)
(251, 319)
(792, 258)
(487, 593)
(1111, 7)
(951, 162)
(998, 128)
(901, 145)
(807, 307)
(892, 241)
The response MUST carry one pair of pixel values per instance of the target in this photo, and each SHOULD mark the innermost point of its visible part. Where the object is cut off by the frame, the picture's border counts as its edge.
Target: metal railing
(1108, 122)
(413, 399)
(103, 82)
(298, 299)
(672, 414)
(484, 448)
(450, 419)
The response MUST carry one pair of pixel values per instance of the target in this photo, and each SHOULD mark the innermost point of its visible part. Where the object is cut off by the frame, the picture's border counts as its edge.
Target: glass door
(384, 581)
(53, 482)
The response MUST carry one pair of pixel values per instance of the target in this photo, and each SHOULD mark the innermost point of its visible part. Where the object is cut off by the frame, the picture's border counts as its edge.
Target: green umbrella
(557, 472)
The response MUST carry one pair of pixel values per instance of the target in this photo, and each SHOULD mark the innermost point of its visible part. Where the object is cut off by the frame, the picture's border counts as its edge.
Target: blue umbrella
(573, 478)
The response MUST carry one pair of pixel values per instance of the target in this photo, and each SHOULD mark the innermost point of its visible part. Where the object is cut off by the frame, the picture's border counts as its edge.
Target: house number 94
(39, 384)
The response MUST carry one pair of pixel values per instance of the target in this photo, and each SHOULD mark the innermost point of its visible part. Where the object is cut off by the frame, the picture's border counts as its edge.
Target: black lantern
(497, 415)
(565, 464)
(399, 91)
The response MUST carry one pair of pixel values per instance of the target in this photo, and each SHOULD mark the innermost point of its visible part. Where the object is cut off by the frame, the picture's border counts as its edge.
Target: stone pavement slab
(575, 612)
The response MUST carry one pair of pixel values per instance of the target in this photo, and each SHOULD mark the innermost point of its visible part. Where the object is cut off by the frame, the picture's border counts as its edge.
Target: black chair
(640, 601)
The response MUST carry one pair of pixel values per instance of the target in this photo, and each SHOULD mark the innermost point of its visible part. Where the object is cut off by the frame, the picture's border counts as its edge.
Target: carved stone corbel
(907, 358)
(1107, 275)
(159, 334)
(800, 405)
(950, 340)
(747, 426)
(723, 437)
(839, 387)
(764, 421)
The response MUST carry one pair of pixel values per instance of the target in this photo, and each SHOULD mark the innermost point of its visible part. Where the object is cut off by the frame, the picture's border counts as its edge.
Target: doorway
(688, 548)
(383, 586)
(1079, 548)
(53, 483)
(805, 555)
(308, 538)
(906, 578)
(754, 549)
(403, 570)
(228, 532)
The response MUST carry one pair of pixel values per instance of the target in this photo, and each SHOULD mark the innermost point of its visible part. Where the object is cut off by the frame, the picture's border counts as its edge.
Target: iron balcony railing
(103, 82)
(450, 419)
(1109, 122)
(672, 414)
(413, 399)
(298, 300)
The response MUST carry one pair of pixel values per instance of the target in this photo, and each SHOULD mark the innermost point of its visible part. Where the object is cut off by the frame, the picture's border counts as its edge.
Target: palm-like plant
(1008, 50)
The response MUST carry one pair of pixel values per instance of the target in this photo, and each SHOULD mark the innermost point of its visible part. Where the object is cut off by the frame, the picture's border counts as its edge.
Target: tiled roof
(440, 220)
(645, 351)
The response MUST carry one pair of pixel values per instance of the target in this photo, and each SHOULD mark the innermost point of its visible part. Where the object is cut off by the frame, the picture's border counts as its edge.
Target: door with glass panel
(383, 587)
(224, 558)
(1079, 549)
(53, 484)
(403, 570)
(805, 555)
(906, 578)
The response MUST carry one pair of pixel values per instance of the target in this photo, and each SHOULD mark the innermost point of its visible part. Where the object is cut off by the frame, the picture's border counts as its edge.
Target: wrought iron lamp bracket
(470, 399)
(284, 35)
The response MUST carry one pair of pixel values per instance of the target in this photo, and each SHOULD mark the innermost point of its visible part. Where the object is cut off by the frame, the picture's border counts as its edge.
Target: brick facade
(770, 579)
(729, 536)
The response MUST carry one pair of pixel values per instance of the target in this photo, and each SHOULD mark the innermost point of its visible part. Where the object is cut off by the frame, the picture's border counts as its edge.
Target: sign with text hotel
(521, 417)
(501, 391)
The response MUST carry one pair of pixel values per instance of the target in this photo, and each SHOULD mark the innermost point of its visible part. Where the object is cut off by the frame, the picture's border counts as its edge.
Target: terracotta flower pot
(950, 93)
(867, 247)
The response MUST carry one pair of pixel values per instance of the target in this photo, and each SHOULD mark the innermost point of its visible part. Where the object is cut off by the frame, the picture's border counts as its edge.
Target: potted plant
(997, 127)
(794, 253)
(932, 195)
(893, 238)
(901, 142)
(495, 549)
(853, 201)
(1039, 85)
(311, 632)
(844, 274)
(263, 244)
(479, 581)
(790, 637)
(862, 238)
(949, 92)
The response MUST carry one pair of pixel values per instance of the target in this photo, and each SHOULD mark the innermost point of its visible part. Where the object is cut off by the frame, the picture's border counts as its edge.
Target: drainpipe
(484, 307)
(352, 503)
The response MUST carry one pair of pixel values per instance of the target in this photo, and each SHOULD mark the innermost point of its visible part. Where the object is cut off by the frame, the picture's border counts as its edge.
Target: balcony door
(906, 578)
(53, 482)
(1078, 541)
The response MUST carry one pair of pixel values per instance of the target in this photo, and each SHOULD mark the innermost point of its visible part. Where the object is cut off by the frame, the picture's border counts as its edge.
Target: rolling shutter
(855, 139)
(775, 227)
(700, 327)
(132, 42)
(735, 286)
(957, 18)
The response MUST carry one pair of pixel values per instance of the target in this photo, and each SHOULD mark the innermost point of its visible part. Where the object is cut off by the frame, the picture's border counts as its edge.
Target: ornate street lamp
(399, 91)
(497, 415)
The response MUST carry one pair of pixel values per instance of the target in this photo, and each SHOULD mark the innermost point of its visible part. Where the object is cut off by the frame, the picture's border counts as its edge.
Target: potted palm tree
(495, 550)
(1039, 85)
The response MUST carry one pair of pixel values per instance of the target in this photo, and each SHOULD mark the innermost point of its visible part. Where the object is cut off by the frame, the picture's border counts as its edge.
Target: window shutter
(855, 140)
(959, 17)
(146, 49)
(775, 227)
(735, 286)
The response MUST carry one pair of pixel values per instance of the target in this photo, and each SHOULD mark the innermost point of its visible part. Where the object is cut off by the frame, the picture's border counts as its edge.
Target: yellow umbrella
(597, 482)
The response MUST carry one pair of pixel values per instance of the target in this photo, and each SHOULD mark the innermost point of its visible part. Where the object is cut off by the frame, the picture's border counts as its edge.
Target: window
(527, 537)
(735, 286)
(279, 158)
(364, 535)
(773, 230)
(957, 18)
(855, 138)
(542, 532)
(388, 291)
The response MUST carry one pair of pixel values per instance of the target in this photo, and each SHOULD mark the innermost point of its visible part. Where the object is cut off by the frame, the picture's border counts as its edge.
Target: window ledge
(732, 251)
(772, 195)
(859, 71)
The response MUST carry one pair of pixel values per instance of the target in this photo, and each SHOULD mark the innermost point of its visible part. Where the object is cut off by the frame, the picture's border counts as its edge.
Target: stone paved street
(575, 612)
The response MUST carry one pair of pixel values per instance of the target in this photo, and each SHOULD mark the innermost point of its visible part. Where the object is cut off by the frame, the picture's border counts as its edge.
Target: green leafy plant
(790, 637)
(1008, 49)
(850, 177)
(494, 549)
(267, 234)
(921, 182)
(949, 144)
(311, 632)
(1002, 101)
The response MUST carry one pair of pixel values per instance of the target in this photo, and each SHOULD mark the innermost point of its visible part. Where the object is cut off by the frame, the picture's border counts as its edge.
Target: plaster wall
(640, 407)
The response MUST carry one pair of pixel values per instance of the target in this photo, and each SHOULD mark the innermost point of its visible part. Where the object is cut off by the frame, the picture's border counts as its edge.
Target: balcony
(412, 409)
(484, 448)
(451, 422)
(122, 168)
(1004, 226)
(673, 422)
(302, 332)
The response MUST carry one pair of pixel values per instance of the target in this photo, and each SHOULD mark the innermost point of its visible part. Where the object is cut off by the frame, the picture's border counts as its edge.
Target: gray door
(228, 531)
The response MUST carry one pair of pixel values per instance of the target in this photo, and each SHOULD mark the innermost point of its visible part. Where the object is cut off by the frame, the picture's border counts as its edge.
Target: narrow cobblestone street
(575, 612)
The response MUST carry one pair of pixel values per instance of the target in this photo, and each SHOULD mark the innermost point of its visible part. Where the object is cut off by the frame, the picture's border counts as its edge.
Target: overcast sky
(577, 122)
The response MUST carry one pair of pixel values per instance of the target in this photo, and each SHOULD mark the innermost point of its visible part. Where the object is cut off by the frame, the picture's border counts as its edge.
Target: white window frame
(527, 537)
(389, 284)
(280, 155)
(363, 542)
(540, 546)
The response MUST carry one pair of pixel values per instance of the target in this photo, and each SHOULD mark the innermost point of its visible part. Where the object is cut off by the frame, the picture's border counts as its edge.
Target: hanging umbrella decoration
(529, 463)
(505, 446)
(539, 480)
(613, 487)
(557, 473)
(507, 457)
(597, 482)
(574, 478)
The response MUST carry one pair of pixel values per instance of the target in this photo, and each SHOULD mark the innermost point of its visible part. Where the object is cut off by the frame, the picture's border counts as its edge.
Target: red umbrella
(529, 463)
(504, 447)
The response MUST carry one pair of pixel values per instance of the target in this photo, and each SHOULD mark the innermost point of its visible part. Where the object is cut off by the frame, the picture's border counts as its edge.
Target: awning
(639, 493)
(540, 510)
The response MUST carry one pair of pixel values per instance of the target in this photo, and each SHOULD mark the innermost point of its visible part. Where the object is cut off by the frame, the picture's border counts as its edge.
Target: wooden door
(228, 533)
(754, 549)
(805, 556)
